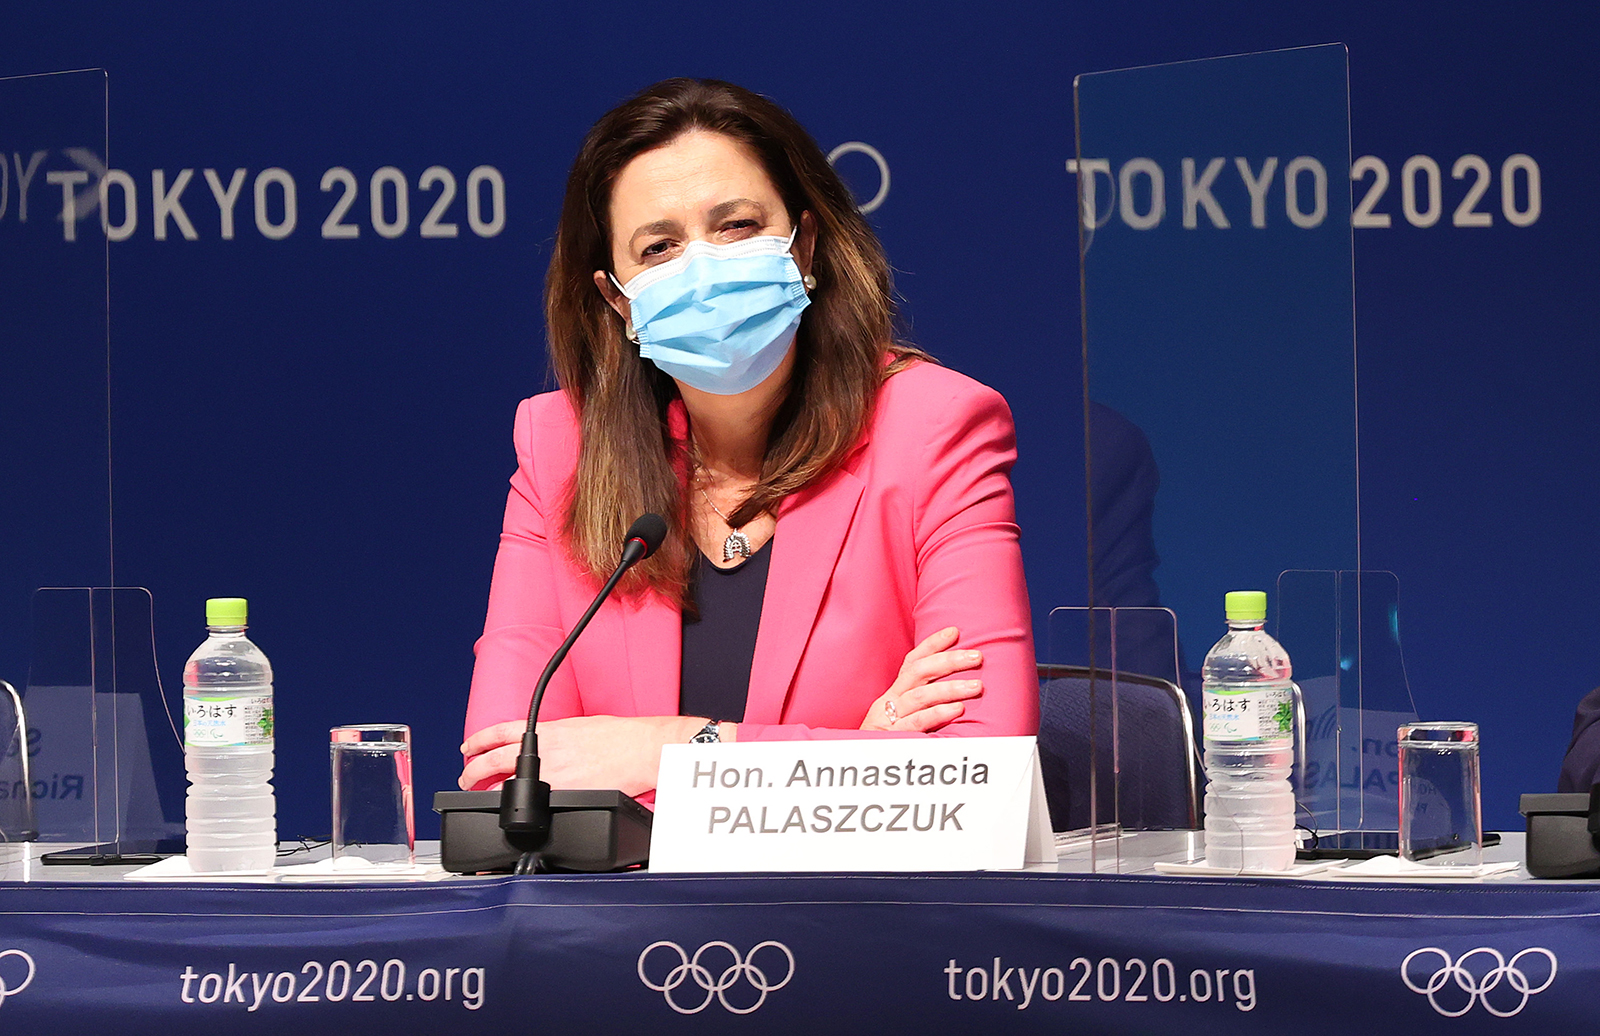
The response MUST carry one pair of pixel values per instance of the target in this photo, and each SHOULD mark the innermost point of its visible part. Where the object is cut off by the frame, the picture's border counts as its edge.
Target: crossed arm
(625, 751)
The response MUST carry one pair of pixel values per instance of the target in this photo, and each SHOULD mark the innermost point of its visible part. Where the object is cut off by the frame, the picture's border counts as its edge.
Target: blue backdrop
(321, 422)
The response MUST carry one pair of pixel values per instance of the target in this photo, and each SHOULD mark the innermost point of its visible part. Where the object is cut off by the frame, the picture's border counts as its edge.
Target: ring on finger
(890, 711)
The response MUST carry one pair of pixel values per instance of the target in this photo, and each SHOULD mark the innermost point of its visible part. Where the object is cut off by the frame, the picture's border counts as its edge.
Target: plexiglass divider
(105, 747)
(1117, 735)
(1342, 628)
(92, 774)
(18, 822)
(1218, 322)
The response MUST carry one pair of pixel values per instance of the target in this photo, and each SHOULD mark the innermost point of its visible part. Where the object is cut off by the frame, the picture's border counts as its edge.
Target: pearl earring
(810, 282)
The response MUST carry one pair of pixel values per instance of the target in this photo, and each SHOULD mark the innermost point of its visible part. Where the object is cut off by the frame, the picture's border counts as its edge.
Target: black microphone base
(590, 832)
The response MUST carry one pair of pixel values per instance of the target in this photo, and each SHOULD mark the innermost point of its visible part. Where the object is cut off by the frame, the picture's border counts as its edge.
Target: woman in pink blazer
(868, 483)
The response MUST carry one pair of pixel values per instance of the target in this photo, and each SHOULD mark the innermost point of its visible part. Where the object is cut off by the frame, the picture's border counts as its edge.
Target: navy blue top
(1581, 768)
(720, 645)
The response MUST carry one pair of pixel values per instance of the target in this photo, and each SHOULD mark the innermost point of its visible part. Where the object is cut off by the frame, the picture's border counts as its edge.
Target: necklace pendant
(737, 545)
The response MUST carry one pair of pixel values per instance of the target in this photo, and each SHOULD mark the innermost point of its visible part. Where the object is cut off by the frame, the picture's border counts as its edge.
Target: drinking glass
(372, 811)
(1441, 813)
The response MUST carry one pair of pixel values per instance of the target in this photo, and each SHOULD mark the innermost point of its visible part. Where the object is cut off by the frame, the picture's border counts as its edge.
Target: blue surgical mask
(719, 317)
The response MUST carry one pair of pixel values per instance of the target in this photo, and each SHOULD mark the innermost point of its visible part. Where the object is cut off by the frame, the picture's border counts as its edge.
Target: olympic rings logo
(715, 984)
(1477, 987)
(6, 989)
(856, 147)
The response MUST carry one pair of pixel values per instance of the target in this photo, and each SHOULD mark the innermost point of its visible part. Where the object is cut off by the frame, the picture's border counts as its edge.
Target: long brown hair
(630, 462)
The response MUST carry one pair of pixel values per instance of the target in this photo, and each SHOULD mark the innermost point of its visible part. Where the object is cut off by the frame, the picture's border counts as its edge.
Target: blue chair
(1158, 757)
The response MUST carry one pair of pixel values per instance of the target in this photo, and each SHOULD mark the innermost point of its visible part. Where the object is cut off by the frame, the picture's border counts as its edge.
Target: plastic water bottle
(230, 817)
(1249, 743)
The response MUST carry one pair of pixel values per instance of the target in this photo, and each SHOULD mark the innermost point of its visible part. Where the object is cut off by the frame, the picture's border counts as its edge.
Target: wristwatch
(708, 734)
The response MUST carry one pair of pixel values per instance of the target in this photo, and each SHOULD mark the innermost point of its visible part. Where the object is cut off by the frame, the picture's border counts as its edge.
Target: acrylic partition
(1219, 339)
(107, 755)
(19, 821)
(55, 495)
(98, 758)
(1116, 743)
(1342, 629)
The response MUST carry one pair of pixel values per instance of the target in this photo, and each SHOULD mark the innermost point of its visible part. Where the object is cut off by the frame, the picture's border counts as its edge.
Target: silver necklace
(737, 545)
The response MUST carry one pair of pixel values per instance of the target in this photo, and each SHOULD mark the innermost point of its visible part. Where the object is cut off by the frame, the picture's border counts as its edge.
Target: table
(1046, 951)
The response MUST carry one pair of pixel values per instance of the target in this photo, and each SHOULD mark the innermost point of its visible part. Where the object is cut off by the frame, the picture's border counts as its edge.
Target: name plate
(869, 804)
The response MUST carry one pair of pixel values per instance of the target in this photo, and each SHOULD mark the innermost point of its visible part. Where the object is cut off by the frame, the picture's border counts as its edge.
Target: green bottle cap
(226, 611)
(1246, 605)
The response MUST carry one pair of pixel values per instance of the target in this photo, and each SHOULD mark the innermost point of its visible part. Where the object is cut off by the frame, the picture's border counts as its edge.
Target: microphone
(524, 798)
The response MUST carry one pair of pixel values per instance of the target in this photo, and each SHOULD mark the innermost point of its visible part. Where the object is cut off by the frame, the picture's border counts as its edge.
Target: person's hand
(610, 751)
(922, 699)
(622, 752)
(491, 755)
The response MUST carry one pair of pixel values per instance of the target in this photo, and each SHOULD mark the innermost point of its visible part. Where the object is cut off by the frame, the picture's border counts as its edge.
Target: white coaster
(1200, 870)
(176, 868)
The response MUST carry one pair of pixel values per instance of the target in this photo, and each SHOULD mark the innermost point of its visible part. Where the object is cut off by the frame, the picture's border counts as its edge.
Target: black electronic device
(527, 810)
(129, 851)
(1563, 834)
(1364, 845)
(590, 831)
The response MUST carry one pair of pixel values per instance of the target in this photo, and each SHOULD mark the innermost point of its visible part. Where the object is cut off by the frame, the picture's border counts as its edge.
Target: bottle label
(229, 722)
(1249, 713)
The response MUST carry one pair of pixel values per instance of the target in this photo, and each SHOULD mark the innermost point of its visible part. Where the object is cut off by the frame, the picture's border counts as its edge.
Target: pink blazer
(915, 532)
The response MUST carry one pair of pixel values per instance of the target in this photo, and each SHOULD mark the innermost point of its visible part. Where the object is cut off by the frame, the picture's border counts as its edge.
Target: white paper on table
(340, 871)
(1202, 870)
(1391, 868)
(346, 869)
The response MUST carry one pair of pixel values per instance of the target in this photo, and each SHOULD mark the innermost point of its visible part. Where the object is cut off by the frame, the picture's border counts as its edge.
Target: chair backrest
(1155, 756)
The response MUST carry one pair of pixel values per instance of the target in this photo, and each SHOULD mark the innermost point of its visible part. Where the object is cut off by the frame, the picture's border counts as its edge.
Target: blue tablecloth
(881, 954)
